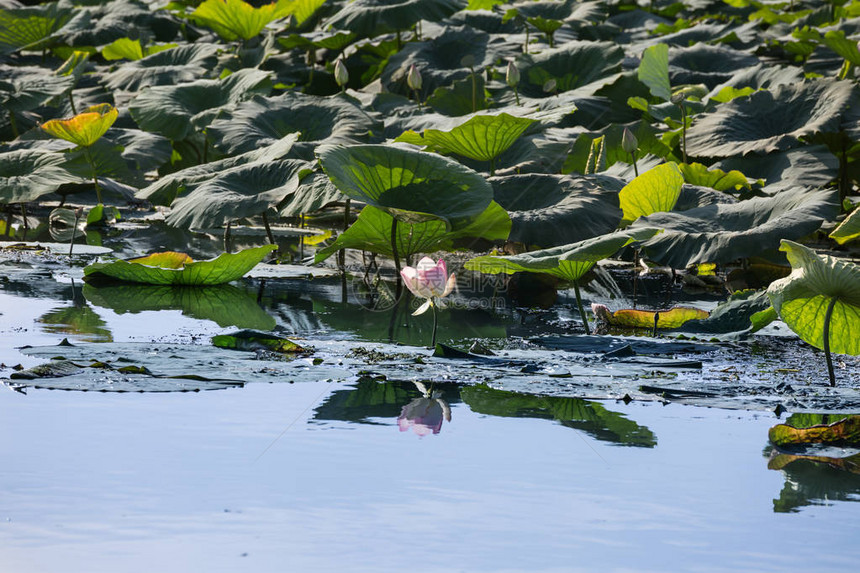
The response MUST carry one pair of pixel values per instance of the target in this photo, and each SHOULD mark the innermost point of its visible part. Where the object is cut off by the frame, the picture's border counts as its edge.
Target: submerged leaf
(252, 340)
(636, 318)
(843, 432)
(179, 269)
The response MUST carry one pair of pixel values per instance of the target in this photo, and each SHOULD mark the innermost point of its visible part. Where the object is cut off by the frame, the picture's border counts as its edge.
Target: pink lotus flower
(428, 280)
(424, 415)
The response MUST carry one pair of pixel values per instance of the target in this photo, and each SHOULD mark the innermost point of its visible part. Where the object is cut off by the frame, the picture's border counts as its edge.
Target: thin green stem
(517, 95)
(268, 229)
(581, 309)
(227, 237)
(14, 124)
(435, 323)
(95, 179)
(474, 91)
(396, 257)
(656, 321)
(684, 131)
(72, 103)
(635, 167)
(827, 356)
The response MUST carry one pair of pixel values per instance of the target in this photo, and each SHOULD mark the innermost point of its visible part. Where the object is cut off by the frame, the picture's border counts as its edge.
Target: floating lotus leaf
(236, 19)
(726, 232)
(483, 137)
(572, 66)
(410, 185)
(174, 111)
(369, 18)
(637, 318)
(567, 262)
(848, 230)
(179, 269)
(28, 174)
(842, 432)
(85, 128)
(262, 121)
(225, 305)
(654, 191)
(816, 283)
(180, 65)
(251, 340)
(243, 191)
(165, 190)
(372, 232)
(768, 121)
(31, 28)
(550, 209)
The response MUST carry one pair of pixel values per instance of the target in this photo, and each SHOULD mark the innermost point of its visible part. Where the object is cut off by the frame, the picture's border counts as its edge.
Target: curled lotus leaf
(175, 66)
(849, 229)
(637, 318)
(572, 65)
(28, 174)
(654, 191)
(369, 18)
(171, 268)
(85, 128)
(843, 432)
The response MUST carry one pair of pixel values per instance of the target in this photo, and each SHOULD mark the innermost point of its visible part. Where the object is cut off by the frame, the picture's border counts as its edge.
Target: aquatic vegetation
(430, 281)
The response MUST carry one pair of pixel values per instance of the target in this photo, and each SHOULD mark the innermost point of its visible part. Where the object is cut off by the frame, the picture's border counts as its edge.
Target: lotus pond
(374, 285)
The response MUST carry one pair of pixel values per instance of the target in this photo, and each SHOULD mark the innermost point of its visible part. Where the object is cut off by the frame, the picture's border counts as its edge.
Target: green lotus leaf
(770, 120)
(410, 185)
(810, 166)
(567, 262)
(654, 191)
(547, 210)
(225, 305)
(836, 41)
(174, 111)
(458, 99)
(483, 4)
(100, 23)
(369, 18)
(483, 137)
(698, 174)
(236, 19)
(706, 64)
(243, 191)
(638, 318)
(654, 71)
(315, 192)
(85, 128)
(302, 10)
(842, 432)
(816, 283)
(590, 417)
(28, 174)
(848, 230)
(165, 190)
(573, 65)
(372, 232)
(26, 88)
(31, 28)
(327, 41)
(725, 232)
(179, 65)
(179, 269)
(732, 316)
(128, 49)
(262, 121)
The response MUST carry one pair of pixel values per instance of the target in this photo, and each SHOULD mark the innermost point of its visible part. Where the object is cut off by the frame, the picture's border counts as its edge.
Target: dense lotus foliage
(693, 132)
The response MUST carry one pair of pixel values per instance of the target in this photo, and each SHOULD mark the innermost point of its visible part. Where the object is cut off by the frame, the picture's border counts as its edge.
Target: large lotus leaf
(372, 232)
(483, 137)
(244, 191)
(548, 210)
(638, 318)
(101, 23)
(572, 65)
(567, 262)
(143, 151)
(841, 432)
(27, 174)
(409, 185)
(121, 154)
(179, 269)
(174, 66)
(315, 192)
(440, 59)
(225, 305)
(698, 174)
(165, 190)
(654, 71)
(26, 88)
(848, 230)
(768, 121)
(262, 121)
(85, 128)
(548, 10)
(128, 49)
(31, 28)
(461, 98)
(812, 166)
(236, 19)
(815, 283)
(655, 190)
(726, 232)
(370, 18)
(706, 64)
(174, 111)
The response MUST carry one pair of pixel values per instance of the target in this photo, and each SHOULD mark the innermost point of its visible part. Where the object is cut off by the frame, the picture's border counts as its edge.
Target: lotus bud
(341, 74)
(512, 77)
(468, 61)
(629, 143)
(413, 78)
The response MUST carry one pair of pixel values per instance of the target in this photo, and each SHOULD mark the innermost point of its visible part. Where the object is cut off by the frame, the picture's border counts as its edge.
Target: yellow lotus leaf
(165, 260)
(634, 318)
(85, 128)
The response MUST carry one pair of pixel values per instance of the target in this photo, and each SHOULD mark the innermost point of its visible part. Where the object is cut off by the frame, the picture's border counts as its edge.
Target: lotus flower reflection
(424, 415)
(429, 280)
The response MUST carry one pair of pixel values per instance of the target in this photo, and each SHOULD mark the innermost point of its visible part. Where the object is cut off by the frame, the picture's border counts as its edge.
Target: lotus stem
(635, 167)
(26, 225)
(526, 47)
(581, 309)
(635, 275)
(14, 124)
(827, 356)
(684, 131)
(492, 166)
(474, 91)
(396, 259)
(72, 103)
(268, 229)
(656, 321)
(95, 179)
(517, 95)
(341, 256)
(399, 41)
(435, 323)
(227, 237)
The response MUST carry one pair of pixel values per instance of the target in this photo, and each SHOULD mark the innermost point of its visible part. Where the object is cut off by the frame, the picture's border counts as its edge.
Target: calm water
(321, 477)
